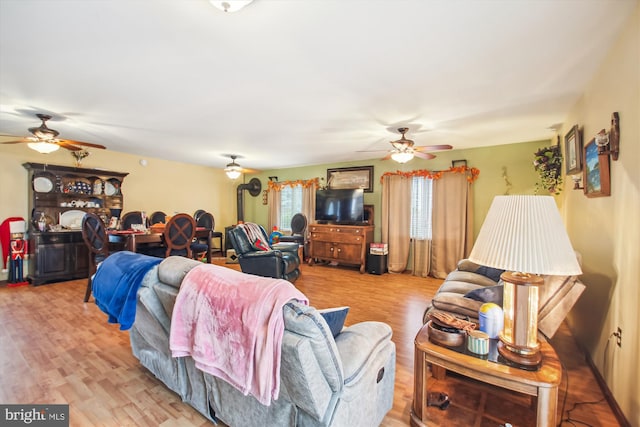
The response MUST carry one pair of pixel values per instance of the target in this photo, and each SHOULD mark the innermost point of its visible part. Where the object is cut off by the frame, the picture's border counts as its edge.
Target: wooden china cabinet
(59, 196)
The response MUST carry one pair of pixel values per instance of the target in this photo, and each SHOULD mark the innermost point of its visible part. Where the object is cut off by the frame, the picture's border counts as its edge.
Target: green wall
(516, 158)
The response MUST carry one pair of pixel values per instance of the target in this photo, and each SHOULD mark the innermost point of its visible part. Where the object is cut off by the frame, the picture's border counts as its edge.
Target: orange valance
(277, 186)
(472, 173)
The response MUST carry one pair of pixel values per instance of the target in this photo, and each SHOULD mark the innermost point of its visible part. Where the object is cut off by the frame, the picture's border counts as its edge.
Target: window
(290, 204)
(421, 208)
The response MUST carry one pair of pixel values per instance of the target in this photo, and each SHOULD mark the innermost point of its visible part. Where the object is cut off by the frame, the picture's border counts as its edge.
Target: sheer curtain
(274, 207)
(396, 219)
(309, 203)
(451, 216)
(308, 200)
(452, 222)
(421, 214)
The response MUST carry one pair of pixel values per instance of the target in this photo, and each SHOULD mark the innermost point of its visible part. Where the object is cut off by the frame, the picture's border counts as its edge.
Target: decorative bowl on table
(447, 337)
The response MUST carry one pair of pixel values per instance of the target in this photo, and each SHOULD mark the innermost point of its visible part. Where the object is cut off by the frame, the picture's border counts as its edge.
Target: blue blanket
(116, 284)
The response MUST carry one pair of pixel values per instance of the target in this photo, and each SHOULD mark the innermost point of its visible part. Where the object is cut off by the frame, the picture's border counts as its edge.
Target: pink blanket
(232, 325)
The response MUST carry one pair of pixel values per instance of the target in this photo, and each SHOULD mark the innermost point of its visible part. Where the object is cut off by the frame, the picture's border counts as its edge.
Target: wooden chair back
(133, 217)
(206, 220)
(94, 234)
(179, 233)
(157, 218)
(298, 224)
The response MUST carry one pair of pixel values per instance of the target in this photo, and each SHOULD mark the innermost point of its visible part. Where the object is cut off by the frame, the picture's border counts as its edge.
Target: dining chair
(218, 235)
(197, 214)
(207, 221)
(94, 234)
(178, 235)
(133, 217)
(157, 217)
(298, 231)
(200, 246)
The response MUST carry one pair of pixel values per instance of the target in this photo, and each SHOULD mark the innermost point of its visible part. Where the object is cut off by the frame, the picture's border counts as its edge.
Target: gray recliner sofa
(346, 381)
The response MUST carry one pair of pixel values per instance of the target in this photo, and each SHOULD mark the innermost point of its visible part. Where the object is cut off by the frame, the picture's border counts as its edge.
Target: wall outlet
(618, 335)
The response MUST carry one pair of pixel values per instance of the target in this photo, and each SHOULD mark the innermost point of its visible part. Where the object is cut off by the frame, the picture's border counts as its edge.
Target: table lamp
(524, 235)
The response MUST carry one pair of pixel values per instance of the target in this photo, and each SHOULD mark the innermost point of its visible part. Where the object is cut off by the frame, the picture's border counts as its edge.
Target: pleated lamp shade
(525, 234)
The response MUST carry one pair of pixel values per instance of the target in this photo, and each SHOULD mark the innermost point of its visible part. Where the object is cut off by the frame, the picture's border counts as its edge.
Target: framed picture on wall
(596, 176)
(573, 151)
(351, 178)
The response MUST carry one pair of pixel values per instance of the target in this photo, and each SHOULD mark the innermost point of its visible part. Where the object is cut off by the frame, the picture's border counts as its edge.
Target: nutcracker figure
(5, 239)
(18, 250)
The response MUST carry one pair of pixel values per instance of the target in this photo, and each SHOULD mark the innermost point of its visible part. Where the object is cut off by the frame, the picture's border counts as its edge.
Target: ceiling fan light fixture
(42, 132)
(45, 134)
(45, 140)
(402, 156)
(233, 170)
(43, 147)
(230, 5)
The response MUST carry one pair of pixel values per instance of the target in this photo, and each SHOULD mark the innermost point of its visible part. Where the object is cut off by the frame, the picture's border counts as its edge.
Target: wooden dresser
(345, 244)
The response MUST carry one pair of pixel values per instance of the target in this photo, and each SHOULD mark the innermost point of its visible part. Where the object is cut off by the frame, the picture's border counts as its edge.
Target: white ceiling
(288, 83)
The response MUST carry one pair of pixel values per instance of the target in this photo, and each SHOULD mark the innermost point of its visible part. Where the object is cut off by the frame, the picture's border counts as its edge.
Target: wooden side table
(542, 384)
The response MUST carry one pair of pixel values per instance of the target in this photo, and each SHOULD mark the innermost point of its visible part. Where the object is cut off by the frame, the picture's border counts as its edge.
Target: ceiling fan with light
(404, 149)
(45, 140)
(234, 170)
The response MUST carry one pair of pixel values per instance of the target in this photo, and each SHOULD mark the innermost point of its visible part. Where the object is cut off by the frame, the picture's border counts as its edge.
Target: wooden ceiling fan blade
(387, 157)
(84, 144)
(245, 170)
(65, 144)
(433, 147)
(426, 156)
(18, 141)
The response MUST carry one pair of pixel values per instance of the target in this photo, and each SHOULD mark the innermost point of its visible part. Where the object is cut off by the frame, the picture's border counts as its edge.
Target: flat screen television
(344, 207)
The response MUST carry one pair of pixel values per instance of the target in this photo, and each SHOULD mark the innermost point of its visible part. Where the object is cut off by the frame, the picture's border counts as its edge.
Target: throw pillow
(335, 318)
(487, 294)
(491, 273)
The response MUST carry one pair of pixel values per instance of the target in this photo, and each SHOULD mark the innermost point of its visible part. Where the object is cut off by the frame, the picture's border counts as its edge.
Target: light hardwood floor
(56, 349)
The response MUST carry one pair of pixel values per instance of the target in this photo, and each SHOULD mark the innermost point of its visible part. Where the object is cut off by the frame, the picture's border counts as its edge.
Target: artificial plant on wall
(548, 164)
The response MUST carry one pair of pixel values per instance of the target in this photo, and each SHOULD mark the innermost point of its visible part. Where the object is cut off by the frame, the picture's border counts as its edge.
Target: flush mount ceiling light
(230, 5)
(233, 170)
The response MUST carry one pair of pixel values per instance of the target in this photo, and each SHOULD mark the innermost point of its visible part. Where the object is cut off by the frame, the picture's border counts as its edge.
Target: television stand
(344, 244)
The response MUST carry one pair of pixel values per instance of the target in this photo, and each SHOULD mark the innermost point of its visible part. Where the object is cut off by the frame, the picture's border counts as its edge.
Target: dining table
(132, 238)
